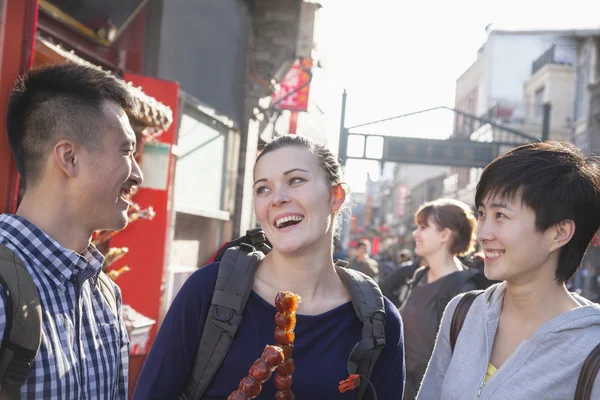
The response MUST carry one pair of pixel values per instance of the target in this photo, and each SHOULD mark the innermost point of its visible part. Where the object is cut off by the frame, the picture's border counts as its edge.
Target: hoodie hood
(588, 315)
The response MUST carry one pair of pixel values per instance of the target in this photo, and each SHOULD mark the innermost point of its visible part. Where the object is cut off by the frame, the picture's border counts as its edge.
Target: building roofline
(582, 32)
(575, 33)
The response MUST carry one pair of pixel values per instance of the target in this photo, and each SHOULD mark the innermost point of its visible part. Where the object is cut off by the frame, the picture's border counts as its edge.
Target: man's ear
(563, 232)
(338, 197)
(65, 155)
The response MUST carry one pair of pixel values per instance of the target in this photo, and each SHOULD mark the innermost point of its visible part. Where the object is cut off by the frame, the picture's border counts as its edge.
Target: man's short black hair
(558, 183)
(363, 243)
(55, 102)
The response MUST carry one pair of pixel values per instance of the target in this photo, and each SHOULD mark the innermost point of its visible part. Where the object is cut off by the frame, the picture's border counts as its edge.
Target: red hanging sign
(295, 87)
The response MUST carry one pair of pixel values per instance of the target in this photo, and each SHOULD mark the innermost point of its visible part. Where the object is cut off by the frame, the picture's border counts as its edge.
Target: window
(200, 176)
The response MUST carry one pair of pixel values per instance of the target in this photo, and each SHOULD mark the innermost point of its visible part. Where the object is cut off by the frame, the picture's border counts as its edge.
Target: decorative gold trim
(66, 19)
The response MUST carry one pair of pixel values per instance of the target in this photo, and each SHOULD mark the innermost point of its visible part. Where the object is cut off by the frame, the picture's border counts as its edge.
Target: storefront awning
(146, 110)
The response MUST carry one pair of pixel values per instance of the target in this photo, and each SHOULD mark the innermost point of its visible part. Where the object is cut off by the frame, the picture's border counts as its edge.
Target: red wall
(18, 30)
(147, 240)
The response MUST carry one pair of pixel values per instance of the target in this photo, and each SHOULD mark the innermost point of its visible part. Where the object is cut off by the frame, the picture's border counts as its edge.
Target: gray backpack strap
(234, 284)
(106, 287)
(370, 310)
(23, 331)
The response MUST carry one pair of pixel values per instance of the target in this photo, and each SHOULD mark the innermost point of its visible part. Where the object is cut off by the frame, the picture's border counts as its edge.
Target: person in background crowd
(526, 338)
(363, 262)
(387, 264)
(445, 230)
(404, 256)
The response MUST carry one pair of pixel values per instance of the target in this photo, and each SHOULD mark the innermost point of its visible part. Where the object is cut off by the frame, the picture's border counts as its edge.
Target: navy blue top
(321, 348)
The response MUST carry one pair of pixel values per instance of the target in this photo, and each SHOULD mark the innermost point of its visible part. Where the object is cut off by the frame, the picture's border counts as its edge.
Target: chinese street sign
(457, 153)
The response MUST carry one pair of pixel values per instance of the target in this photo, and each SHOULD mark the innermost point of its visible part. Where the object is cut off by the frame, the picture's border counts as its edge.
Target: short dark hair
(365, 244)
(61, 99)
(454, 215)
(558, 183)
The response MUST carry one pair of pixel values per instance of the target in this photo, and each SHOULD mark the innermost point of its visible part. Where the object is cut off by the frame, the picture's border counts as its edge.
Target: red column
(147, 240)
(17, 41)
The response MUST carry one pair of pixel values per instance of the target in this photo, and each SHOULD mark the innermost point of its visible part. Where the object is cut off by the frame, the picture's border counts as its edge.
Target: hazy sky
(395, 57)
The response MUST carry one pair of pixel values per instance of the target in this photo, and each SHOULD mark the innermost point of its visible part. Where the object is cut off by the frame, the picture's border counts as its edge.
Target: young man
(73, 146)
(363, 263)
(526, 338)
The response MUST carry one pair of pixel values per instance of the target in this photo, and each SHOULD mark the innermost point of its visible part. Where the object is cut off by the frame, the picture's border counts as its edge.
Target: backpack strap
(106, 287)
(460, 314)
(410, 283)
(258, 239)
(588, 373)
(232, 289)
(370, 310)
(452, 286)
(23, 330)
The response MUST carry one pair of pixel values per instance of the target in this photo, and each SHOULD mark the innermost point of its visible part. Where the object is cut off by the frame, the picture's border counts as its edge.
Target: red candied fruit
(285, 321)
(284, 337)
(285, 395)
(273, 355)
(237, 395)
(249, 387)
(283, 382)
(290, 303)
(287, 368)
(287, 302)
(287, 351)
(279, 301)
(260, 371)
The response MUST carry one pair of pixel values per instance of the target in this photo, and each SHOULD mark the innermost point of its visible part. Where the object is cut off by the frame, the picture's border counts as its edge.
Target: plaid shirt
(85, 351)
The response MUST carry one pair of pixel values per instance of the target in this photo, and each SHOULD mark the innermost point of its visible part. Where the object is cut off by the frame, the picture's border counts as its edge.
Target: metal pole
(343, 142)
(546, 121)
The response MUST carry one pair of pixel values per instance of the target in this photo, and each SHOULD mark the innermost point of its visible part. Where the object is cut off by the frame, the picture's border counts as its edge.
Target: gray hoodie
(544, 367)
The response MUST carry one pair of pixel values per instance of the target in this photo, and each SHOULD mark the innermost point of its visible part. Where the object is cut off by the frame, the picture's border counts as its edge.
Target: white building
(515, 73)
(586, 108)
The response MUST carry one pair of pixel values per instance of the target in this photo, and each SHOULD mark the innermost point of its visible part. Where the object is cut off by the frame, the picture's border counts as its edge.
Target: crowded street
(311, 199)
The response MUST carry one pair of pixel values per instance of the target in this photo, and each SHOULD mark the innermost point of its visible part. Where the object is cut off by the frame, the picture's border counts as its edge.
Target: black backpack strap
(460, 313)
(23, 331)
(452, 286)
(232, 289)
(394, 285)
(258, 240)
(106, 287)
(410, 284)
(588, 373)
(370, 310)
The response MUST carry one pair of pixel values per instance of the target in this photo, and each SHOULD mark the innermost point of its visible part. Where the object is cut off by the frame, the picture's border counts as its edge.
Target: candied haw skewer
(285, 321)
(260, 371)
